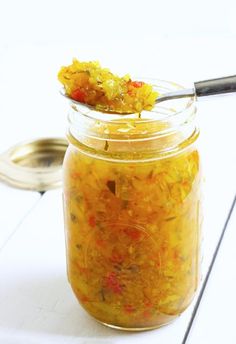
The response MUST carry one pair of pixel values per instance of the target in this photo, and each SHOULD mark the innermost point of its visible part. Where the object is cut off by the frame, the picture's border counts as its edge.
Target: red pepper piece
(176, 255)
(137, 84)
(148, 304)
(129, 308)
(100, 242)
(134, 234)
(75, 175)
(78, 95)
(112, 283)
(92, 221)
(146, 314)
(81, 269)
(116, 258)
(84, 299)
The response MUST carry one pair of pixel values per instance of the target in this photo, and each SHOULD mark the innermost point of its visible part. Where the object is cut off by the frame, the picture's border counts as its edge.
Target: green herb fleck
(117, 267)
(74, 108)
(111, 184)
(102, 295)
(106, 146)
(125, 204)
(79, 199)
(134, 268)
(73, 218)
(150, 174)
(170, 218)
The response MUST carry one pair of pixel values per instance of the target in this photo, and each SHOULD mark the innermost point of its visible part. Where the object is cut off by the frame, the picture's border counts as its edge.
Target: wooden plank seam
(21, 221)
(186, 335)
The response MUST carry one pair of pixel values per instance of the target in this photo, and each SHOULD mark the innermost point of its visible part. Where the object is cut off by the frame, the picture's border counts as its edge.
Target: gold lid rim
(34, 164)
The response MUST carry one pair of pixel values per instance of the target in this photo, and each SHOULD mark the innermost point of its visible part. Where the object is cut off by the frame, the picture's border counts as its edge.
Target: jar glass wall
(132, 212)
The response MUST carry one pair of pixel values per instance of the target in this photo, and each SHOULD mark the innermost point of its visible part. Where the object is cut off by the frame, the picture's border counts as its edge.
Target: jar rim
(165, 131)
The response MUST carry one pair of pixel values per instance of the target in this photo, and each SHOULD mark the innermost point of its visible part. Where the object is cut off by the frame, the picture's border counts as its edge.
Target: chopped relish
(132, 234)
(88, 83)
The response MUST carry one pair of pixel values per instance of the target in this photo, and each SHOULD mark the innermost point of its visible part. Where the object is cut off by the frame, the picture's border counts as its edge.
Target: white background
(182, 41)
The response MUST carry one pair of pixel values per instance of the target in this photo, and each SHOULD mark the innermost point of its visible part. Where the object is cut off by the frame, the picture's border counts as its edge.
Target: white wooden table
(36, 303)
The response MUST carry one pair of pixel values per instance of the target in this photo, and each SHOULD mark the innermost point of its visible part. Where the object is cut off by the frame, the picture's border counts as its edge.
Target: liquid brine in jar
(132, 206)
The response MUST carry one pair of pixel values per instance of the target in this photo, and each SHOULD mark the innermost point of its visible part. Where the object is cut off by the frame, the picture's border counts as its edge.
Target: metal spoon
(203, 89)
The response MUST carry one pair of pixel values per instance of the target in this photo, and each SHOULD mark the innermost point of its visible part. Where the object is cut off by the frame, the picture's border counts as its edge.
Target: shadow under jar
(132, 212)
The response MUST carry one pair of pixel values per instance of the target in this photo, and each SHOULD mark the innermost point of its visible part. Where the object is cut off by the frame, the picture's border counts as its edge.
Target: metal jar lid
(34, 165)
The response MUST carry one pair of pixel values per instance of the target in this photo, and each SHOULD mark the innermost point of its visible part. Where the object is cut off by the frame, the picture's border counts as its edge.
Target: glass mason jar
(132, 212)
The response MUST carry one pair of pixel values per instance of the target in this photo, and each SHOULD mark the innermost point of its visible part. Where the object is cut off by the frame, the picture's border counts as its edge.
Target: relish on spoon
(88, 83)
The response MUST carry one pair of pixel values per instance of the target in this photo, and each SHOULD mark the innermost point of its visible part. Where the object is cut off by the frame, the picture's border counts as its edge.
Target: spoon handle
(215, 86)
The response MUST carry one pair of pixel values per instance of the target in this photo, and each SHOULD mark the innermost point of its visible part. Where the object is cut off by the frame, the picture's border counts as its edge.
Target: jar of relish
(132, 206)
